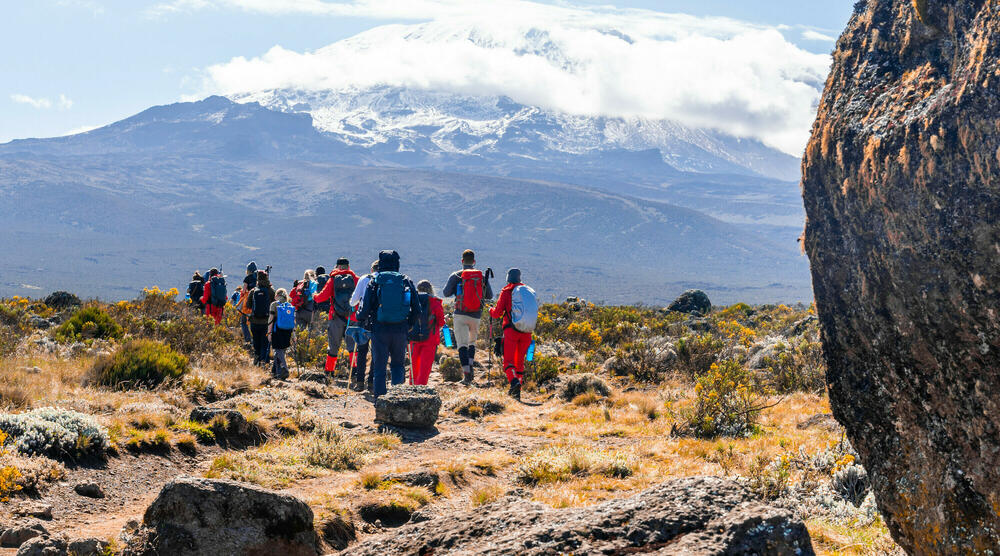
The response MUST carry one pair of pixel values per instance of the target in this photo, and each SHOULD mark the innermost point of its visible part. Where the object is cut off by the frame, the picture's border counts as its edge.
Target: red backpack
(470, 291)
(296, 298)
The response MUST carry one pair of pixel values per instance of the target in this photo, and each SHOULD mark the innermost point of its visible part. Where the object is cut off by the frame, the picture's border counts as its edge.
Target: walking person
(302, 298)
(196, 288)
(358, 381)
(321, 278)
(261, 298)
(214, 296)
(280, 325)
(471, 289)
(249, 283)
(518, 308)
(426, 334)
(392, 306)
(337, 292)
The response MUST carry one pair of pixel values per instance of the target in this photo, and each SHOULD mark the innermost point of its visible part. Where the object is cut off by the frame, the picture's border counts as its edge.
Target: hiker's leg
(258, 333)
(423, 360)
(380, 358)
(245, 327)
(509, 354)
(523, 343)
(397, 353)
(360, 362)
(334, 334)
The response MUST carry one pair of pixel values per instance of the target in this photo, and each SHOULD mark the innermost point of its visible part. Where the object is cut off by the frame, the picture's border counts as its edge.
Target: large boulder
(62, 300)
(205, 517)
(704, 515)
(408, 406)
(901, 182)
(692, 301)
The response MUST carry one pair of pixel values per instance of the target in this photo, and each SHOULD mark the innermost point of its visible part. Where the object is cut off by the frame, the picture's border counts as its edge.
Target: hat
(320, 271)
(343, 262)
(514, 276)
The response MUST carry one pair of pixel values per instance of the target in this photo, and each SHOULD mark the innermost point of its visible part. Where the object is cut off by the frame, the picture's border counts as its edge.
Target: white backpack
(524, 309)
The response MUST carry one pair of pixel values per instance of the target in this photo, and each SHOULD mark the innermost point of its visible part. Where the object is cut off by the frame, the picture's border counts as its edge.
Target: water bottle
(530, 356)
(446, 337)
(187, 298)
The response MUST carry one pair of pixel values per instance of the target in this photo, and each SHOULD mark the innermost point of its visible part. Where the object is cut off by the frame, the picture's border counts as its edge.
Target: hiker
(261, 298)
(301, 297)
(358, 382)
(214, 297)
(518, 307)
(470, 288)
(338, 290)
(391, 306)
(321, 279)
(249, 283)
(426, 334)
(196, 288)
(280, 324)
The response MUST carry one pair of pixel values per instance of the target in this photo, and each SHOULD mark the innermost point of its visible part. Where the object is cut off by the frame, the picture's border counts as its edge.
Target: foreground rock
(901, 182)
(204, 517)
(692, 301)
(701, 515)
(408, 406)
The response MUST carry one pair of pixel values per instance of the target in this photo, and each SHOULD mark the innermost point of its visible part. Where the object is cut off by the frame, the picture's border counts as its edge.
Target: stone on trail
(237, 423)
(704, 515)
(901, 184)
(14, 535)
(692, 301)
(206, 517)
(408, 406)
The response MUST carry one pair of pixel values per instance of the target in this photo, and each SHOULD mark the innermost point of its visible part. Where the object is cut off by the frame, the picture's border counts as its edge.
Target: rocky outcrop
(704, 515)
(901, 182)
(205, 517)
(408, 406)
(691, 301)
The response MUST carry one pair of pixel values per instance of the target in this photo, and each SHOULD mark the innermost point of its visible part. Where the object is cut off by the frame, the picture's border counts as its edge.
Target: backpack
(285, 319)
(295, 296)
(469, 296)
(218, 296)
(343, 288)
(244, 306)
(260, 304)
(195, 289)
(393, 298)
(421, 330)
(523, 309)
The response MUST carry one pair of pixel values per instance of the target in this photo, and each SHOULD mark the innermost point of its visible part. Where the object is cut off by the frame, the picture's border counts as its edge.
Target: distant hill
(148, 199)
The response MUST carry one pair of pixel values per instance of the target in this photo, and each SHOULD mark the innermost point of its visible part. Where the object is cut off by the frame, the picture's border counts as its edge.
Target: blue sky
(75, 64)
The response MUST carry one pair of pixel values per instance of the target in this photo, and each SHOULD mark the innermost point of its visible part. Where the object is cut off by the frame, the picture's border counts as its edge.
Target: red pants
(515, 347)
(214, 312)
(422, 359)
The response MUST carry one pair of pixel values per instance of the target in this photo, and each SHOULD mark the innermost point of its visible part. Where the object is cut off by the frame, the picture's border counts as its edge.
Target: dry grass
(486, 495)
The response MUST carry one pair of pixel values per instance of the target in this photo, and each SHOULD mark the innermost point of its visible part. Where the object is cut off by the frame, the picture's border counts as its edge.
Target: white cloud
(64, 102)
(81, 129)
(738, 77)
(40, 103)
(811, 35)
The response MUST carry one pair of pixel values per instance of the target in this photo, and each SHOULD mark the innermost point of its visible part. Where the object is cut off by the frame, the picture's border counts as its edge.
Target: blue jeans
(245, 326)
(388, 343)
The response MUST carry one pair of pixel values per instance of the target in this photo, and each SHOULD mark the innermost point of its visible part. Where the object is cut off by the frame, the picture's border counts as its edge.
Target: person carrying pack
(321, 279)
(390, 307)
(518, 307)
(260, 300)
(338, 291)
(280, 325)
(471, 289)
(214, 295)
(196, 288)
(358, 382)
(302, 297)
(425, 335)
(249, 283)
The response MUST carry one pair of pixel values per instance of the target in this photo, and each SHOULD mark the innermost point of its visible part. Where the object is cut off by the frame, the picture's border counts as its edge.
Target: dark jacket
(388, 261)
(451, 288)
(270, 300)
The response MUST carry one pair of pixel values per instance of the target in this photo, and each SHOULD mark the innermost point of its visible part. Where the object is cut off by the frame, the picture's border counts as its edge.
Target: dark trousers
(361, 364)
(245, 327)
(388, 347)
(261, 347)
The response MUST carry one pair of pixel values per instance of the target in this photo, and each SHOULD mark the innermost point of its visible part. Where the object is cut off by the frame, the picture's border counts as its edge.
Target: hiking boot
(467, 378)
(515, 389)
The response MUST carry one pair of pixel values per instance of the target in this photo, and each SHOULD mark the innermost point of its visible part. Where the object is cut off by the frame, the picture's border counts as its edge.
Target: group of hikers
(382, 314)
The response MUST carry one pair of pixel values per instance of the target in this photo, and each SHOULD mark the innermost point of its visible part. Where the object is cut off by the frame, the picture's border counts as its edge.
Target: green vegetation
(89, 323)
(140, 364)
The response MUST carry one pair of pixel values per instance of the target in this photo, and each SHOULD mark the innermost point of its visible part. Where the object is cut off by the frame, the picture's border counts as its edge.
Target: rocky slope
(902, 192)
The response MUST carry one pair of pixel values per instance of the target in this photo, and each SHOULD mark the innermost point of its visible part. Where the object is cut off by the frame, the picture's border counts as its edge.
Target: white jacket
(359, 290)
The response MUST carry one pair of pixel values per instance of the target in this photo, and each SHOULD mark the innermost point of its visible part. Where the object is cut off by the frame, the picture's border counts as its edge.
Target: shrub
(646, 360)
(89, 323)
(851, 483)
(696, 354)
(583, 334)
(55, 432)
(800, 367)
(575, 385)
(140, 363)
(563, 462)
(769, 479)
(728, 402)
(476, 404)
(542, 370)
(450, 369)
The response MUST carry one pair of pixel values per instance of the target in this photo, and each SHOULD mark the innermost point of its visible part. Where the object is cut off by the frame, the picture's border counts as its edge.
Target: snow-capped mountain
(443, 129)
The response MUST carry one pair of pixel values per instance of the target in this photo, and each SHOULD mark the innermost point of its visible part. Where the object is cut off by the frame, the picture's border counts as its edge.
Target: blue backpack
(286, 316)
(393, 298)
(218, 296)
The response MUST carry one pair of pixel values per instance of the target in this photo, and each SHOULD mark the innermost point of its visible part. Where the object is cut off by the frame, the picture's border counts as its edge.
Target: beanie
(343, 262)
(514, 276)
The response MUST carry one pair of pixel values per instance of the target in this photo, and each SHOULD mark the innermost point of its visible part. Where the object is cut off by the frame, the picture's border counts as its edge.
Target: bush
(695, 355)
(851, 483)
(575, 385)
(560, 463)
(769, 480)
(450, 369)
(644, 360)
(800, 367)
(138, 364)
(542, 370)
(55, 432)
(728, 402)
(87, 324)
(476, 405)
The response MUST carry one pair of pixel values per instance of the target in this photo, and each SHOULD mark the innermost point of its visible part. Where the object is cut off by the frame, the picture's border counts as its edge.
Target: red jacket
(437, 313)
(327, 293)
(503, 306)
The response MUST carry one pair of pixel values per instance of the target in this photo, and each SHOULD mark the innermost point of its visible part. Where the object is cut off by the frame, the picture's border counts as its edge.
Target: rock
(901, 184)
(574, 385)
(408, 406)
(706, 515)
(765, 349)
(30, 370)
(313, 376)
(698, 325)
(237, 423)
(90, 490)
(38, 322)
(34, 509)
(13, 536)
(428, 479)
(62, 300)
(800, 327)
(205, 517)
(87, 547)
(692, 301)
(823, 421)
(44, 546)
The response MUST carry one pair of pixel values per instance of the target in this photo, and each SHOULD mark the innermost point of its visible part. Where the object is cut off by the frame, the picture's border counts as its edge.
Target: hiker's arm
(502, 305)
(415, 307)
(326, 293)
(359, 292)
(451, 286)
(272, 315)
(207, 292)
(367, 305)
(438, 316)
